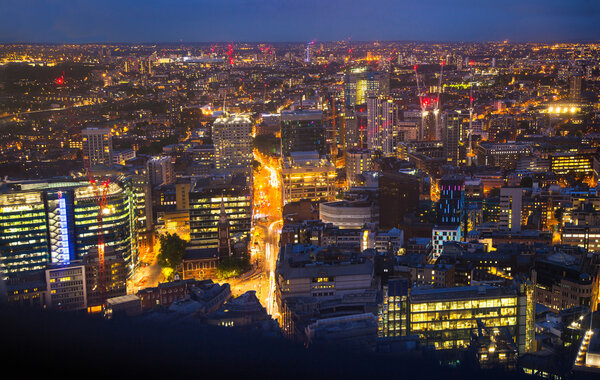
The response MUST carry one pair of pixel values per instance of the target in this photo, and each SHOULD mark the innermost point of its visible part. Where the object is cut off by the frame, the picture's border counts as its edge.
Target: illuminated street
(148, 272)
(265, 237)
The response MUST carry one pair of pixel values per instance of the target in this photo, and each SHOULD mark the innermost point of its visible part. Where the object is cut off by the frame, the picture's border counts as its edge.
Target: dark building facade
(206, 198)
(303, 131)
(398, 196)
(452, 200)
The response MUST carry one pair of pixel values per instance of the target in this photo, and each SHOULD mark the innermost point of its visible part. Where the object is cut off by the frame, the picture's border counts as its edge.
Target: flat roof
(122, 299)
(459, 293)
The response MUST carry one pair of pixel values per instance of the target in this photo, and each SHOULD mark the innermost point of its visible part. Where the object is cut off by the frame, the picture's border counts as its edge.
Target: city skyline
(364, 199)
(276, 21)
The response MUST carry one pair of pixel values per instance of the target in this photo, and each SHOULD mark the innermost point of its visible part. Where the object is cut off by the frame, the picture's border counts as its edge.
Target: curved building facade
(55, 222)
(349, 214)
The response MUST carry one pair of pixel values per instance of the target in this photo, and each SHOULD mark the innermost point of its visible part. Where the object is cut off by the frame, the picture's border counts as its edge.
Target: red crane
(100, 197)
(230, 54)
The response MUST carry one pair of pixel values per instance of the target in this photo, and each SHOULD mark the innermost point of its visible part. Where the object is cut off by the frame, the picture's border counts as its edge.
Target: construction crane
(422, 103)
(470, 132)
(436, 109)
(100, 194)
(230, 54)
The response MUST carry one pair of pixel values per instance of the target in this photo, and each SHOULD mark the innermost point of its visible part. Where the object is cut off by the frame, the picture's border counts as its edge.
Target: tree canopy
(232, 267)
(172, 249)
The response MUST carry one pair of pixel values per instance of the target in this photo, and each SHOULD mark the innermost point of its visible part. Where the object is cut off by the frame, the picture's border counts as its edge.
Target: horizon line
(507, 41)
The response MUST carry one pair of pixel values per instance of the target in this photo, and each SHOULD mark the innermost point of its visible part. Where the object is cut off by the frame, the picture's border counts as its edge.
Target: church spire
(223, 214)
(224, 243)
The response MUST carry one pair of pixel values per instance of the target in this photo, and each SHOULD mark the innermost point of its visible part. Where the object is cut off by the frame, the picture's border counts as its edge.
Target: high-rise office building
(572, 163)
(161, 171)
(232, 139)
(302, 131)
(452, 128)
(207, 197)
(398, 196)
(115, 278)
(381, 113)
(97, 147)
(306, 175)
(511, 202)
(576, 85)
(360, 83)
(425, 121)
(357, 161)
(393, 309)
(55, 222)
(452, 200)
(356, 127)
(445, 318)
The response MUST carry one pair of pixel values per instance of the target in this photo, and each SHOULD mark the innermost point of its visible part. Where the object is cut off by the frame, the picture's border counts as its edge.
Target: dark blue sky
(288, 20)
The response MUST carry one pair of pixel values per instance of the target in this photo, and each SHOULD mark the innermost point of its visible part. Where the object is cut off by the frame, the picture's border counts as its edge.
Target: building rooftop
(459, 293)
(233, 119)
(196, 253)
(122, 299)
(301, 261)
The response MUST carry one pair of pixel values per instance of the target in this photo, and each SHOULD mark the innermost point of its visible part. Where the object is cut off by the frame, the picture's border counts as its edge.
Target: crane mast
(421, 103)
(100, 195)
(470, 132)
(436, 111)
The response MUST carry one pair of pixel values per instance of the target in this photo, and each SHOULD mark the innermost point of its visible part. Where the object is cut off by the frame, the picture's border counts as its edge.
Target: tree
(172, 249)
(232, 266)
(558, 215)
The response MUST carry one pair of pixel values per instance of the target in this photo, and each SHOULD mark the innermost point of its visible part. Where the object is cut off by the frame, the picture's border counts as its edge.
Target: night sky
(287, 20)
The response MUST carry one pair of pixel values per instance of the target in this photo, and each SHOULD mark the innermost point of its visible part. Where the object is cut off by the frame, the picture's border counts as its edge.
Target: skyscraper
(398, 196)
(381, 115)
(452, 199)
(360, 83)
(576, 85)
(207, 197)
(302, 131)
(232, 138)
(306, 175)
(356, 127)
(55, 222)
(452, 136)
(97, 147)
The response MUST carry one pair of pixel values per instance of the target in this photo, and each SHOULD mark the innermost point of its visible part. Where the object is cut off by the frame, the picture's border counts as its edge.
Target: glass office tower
(55, 222)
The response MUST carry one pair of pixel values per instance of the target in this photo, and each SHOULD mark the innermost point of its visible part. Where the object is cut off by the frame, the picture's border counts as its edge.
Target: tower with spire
(224, 244)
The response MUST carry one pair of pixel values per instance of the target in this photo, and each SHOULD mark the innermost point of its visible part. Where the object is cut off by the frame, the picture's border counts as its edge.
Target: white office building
(232, 138)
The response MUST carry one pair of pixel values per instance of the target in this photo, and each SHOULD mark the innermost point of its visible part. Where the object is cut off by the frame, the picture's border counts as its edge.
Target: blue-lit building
(452, 200)
(55, 222)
